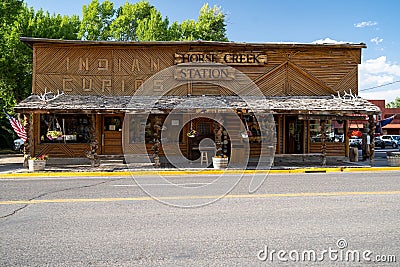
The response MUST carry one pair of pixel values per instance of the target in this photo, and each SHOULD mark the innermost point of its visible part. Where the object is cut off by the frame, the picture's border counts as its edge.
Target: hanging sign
(227, 58)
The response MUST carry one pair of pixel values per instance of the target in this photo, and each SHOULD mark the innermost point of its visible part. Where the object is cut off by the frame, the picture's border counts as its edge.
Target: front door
(112, 134)
(293, 135)
(204, 129)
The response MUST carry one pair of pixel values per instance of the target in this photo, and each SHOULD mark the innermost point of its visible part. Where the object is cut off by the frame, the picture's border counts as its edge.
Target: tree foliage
(17, 20)
(125, 25)
(153, 28)
(143, 22)
(211, 25)
(96, 21)
(394, 104)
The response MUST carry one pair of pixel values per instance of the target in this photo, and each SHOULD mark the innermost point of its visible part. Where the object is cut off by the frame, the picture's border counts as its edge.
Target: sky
(374, 22)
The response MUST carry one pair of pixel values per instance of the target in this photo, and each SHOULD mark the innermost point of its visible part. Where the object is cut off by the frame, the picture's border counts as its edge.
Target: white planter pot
(36, 165)
(220, 163)
(393, 159)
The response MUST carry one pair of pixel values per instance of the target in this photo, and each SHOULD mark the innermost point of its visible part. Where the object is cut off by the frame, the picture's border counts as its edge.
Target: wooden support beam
(371, 132)
(323, 142)
(28, 144)
(346, 137)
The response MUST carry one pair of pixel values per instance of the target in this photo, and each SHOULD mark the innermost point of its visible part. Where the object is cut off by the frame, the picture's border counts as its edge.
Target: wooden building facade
(82, 90)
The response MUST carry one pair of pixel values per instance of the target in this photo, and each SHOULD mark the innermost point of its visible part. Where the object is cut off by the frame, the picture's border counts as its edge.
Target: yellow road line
(193, 172)
(311, 194)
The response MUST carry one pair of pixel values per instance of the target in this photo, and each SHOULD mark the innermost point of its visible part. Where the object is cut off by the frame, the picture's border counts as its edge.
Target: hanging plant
(192, 133)
(246, 133)
(54, 135)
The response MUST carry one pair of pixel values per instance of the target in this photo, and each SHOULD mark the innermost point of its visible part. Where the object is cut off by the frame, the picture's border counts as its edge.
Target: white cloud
(377, 40)
(365, 24)
(388, 95)
(380, 66)
(329, 41)
(377, 72)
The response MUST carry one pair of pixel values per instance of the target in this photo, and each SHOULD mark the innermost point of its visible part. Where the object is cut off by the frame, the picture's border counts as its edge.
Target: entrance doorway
(207, 128)
(294, 133)
(112, 134)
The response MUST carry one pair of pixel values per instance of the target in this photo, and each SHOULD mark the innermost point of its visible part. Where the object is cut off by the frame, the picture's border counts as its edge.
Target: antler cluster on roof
(49, 96)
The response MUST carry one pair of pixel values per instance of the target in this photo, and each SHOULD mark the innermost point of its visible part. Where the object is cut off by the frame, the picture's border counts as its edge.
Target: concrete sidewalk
(13, 164)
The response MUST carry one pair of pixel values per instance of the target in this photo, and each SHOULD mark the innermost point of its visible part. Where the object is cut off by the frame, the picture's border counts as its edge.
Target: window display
(113, 123)
(334, 131)
(64, 128)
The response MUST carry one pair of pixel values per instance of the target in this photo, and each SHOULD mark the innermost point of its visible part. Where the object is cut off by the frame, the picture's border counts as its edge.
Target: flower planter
(393, 159)
(36, 165)
(220, 163)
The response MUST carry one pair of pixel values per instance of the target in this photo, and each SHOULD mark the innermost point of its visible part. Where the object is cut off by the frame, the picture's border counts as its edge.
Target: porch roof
(313, 105)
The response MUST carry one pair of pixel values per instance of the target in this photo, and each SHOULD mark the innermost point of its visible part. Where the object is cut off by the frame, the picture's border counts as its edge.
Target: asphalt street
(100, 221)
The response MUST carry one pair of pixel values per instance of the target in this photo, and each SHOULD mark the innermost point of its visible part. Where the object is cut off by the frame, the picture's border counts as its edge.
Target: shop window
(65, 128)
(252, 127)
(334, 131)
(112, 123)
(156, 123)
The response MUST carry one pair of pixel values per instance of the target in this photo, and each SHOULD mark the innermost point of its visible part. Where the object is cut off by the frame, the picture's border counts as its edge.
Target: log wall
(120, 70)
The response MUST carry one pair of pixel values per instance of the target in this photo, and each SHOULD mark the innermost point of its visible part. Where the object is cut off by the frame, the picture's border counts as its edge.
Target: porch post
(28, 148)
(91, 154)
(323, 142)
(371, 132)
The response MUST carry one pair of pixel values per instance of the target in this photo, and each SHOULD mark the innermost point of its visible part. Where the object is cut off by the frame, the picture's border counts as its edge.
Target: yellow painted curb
(372, 169)
(194, 172)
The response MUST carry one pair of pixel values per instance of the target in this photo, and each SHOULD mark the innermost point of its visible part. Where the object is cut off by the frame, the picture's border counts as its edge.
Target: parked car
(379, 143)
(18, 145)
(391, 140)
(355, 142)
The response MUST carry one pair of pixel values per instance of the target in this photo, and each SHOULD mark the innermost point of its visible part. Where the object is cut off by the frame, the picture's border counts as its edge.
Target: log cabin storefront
(83, 91)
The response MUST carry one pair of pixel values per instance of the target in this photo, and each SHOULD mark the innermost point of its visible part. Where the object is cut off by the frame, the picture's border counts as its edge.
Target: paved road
(112, 222)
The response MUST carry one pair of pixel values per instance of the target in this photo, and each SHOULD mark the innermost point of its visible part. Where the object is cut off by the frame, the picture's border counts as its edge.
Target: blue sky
(375, 23)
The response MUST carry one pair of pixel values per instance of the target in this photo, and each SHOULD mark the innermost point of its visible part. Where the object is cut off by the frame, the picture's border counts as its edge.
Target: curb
(194, 172)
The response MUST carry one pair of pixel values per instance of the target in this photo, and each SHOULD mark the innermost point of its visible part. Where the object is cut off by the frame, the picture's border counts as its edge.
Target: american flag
(18, 127)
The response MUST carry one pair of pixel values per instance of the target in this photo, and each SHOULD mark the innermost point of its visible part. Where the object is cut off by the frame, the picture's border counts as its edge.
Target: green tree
(394, 104)
(8, 10)
(153, 28)
(124, 27)
(188, 30)
(16, 58)
(143, 22)
(210, 25)
(96, 21)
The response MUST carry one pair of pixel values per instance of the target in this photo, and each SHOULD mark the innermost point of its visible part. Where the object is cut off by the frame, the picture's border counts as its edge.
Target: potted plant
(220, 162)
(393, 159)
(37, 163)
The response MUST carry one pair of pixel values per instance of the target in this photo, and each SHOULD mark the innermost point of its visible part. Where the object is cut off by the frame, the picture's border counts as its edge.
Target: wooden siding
(120, 70)
(332, 149)
(62, 150)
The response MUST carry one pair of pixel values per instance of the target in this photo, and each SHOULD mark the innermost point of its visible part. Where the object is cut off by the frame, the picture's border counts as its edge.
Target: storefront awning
(311, 105)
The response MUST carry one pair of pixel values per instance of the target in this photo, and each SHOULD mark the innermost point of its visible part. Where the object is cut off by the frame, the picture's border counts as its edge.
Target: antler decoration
(346, 96)
(49, 96)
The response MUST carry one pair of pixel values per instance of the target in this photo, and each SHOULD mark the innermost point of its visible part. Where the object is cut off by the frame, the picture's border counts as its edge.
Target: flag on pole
(18, 127)
(387, 121)
(383, 123)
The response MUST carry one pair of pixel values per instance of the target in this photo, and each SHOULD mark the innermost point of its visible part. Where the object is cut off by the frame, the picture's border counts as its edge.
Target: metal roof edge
(30, 41)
